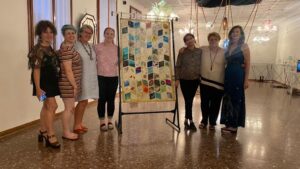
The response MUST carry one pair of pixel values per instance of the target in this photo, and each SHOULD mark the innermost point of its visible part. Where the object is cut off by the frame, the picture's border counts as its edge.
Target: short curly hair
(214, 34)
(83, 27)
(42, 26)
(67, 27)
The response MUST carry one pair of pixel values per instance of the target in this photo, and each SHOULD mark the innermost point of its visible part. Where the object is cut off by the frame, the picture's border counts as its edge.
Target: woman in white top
(89, 81)
(212, 80)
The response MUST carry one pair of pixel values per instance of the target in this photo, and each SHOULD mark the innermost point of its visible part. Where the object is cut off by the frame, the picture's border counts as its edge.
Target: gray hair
(83, 27)
(68, 27)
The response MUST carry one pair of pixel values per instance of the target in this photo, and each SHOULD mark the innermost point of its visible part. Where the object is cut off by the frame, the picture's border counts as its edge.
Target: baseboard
(273, 81)
(17, 129)
(256, 80)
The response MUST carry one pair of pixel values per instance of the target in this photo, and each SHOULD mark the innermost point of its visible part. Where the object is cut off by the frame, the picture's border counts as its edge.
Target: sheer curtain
(42, 10)
(62, 17)
(113, 19)
(103, 18)
(106, 8)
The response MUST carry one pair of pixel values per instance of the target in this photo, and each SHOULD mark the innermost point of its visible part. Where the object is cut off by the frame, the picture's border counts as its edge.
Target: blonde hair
(214, 34)
(83, 27)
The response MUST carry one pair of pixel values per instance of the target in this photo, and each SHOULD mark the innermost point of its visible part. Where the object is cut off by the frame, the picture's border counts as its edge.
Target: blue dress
(233, 108)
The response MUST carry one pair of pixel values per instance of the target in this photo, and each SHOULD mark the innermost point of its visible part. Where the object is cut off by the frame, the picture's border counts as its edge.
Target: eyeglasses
(89, 33)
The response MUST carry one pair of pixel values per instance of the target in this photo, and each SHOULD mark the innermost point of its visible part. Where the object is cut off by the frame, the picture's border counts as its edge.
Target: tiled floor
(271, 139)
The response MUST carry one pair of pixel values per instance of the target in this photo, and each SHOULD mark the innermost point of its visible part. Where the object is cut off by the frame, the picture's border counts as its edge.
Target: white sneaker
(110, 126)
(103, 127)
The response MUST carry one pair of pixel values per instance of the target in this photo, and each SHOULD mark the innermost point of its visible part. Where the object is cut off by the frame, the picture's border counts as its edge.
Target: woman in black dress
(43, 61)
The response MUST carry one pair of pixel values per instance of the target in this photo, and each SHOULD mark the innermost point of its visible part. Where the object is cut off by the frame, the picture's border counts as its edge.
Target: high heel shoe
(41, 136)
(192, 126)
(54, 144)
(186, 125)
(202, 126)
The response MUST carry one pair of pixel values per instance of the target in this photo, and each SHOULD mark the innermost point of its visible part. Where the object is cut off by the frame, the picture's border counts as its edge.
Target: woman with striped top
(70, 78)
(212, 80)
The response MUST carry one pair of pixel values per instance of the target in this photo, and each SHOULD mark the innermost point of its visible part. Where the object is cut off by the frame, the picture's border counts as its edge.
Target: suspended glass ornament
(162, 10)
(209, 25)
(224, 43)
(225, 23)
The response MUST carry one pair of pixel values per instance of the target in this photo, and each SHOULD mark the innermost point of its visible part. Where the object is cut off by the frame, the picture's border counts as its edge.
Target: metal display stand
(174, 123)
(280, 79)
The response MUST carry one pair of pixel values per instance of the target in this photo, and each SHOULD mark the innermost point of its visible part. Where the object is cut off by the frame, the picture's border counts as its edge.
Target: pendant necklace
(212, 60)
(86, 50)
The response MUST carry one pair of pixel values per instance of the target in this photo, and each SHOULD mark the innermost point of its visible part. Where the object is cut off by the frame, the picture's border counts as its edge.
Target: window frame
(31, 25)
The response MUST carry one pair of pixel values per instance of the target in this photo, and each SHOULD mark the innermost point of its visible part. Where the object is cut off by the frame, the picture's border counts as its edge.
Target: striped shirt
(68, 53)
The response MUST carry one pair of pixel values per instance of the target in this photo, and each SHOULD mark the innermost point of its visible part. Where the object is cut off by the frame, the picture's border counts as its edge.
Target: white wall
(138, 4)
(288, 43)
(80, 7)
(288, 52)
(17, 104)
(264, 52)
(106, 19)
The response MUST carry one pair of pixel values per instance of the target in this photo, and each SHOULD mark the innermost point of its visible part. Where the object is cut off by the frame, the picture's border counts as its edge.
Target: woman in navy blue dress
(236, 81)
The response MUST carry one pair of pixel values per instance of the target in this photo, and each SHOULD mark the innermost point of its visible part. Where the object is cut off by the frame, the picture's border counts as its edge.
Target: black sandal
(186, 125)
(202, 126)
(192, 126)
(54, 144)
(42, 136)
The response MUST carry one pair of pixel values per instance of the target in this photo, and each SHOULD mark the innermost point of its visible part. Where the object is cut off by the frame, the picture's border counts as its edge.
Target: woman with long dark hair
(236, 81)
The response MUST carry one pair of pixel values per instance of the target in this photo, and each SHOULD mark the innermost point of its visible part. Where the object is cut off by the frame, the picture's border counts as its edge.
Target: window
(105, 17)
(62, 17)
(57, 11)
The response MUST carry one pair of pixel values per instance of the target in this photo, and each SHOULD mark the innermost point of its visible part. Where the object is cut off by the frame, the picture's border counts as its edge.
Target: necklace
(88, 52)
(212, 60)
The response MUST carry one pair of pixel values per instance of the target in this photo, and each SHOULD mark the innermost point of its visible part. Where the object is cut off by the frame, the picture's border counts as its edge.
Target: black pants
(189, 88)
(107, 92)
(210, 103)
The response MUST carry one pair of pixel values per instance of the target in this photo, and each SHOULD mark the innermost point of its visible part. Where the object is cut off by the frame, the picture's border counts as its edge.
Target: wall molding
(18, 129)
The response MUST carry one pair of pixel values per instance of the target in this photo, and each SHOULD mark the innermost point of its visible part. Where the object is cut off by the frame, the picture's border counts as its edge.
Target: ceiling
(276, 10)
